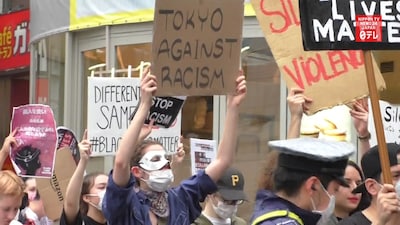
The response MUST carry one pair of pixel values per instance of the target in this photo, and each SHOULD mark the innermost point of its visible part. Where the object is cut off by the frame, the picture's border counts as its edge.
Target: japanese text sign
(14, 40)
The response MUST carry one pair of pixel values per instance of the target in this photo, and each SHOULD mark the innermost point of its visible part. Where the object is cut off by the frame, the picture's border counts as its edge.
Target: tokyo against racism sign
(350, 24)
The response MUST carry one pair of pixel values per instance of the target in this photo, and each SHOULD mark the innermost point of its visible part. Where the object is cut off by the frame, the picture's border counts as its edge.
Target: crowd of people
(306, 181)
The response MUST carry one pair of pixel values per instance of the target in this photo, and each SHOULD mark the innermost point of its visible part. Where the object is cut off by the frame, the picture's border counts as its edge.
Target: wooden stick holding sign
(363, 32)
(376, 113)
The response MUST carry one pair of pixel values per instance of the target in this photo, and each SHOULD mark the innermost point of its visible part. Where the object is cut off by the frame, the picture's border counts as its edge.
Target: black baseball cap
(231, 185)
(371, 164)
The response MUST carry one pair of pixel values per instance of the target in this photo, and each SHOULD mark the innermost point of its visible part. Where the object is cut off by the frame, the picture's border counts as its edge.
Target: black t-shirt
(356, 219)
(79, 220)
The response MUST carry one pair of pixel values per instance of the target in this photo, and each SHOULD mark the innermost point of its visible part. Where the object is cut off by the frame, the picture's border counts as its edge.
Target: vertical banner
(37, 140)
(202, 153)
(196, 46)
(14, 40)
(111, 102)
(329, 77)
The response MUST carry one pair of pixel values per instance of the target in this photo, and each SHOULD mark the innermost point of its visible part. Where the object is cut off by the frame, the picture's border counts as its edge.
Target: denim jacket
(124, 206)
(266, 201)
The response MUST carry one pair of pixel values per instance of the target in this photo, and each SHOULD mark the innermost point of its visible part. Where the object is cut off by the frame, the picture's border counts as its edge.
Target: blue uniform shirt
(124, 206)
(266, 201)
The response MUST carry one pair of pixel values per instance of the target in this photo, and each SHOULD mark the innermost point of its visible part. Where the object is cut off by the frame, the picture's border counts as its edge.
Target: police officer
(308, 173)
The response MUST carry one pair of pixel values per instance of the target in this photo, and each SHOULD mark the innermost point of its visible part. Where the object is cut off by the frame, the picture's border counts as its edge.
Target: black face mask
(28, 159)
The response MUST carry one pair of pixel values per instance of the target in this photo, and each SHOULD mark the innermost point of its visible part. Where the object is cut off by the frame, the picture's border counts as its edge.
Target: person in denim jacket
(138, 189)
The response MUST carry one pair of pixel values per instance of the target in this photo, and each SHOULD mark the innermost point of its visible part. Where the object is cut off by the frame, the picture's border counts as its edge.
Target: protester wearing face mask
(32, 208)
(138, 190)
(307, 175)
(221, 207)
(84, 208)
(385, 206)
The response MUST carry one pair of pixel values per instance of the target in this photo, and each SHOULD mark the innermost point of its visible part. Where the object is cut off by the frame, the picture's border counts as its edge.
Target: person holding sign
(385, 204)
(84, 208)
(9, 142)
(138, 190)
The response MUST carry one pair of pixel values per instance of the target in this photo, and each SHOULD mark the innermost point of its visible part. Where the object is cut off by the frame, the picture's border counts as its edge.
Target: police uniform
(300, 154)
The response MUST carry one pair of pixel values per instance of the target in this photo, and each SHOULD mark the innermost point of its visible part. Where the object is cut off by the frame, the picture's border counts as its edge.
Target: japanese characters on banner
(390, 121)
(349, 24)
(37, 140)
(14, 40)
(202, 153)
(111, 103)
(329, 77)
(196, 46)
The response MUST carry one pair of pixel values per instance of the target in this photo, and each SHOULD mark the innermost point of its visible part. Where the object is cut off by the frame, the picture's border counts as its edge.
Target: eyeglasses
(229, 202)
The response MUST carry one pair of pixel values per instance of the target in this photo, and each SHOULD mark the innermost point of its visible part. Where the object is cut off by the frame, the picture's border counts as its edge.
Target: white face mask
(224, 211)
(101, 197)
(327, 213)
(160, 180)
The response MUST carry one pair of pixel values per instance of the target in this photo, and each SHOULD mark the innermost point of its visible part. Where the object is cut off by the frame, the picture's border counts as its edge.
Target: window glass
(49, 73)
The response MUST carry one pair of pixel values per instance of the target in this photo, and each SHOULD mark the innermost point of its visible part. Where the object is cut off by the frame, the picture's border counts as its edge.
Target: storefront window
(49, 70)
(93, 60)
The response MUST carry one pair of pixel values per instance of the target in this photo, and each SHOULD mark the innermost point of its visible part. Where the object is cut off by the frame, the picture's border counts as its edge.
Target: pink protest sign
(37, 140)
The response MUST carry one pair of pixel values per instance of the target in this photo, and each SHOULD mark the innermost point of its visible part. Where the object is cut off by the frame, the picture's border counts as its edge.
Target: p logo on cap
(235, 180)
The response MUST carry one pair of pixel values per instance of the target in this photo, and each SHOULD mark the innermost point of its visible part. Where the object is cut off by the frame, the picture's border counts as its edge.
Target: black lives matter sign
(350, 24)
(196, 46)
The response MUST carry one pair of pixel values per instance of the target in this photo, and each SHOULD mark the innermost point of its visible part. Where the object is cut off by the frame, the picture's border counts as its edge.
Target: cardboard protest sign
(53, 190)
(67, 138)
(37, 140)
(196, 46)
(329, 77)
(163, 111)
(390, 120)
(202, 153)
(349, 24)
(111, 102)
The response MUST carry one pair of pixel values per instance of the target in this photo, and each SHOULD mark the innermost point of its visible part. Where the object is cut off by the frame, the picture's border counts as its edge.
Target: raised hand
(298, 102)
(359, 113)
(146, 130)
(388, 203)
(85, 147)
(148, 87)
(241, 89)
(179, 156)
(9, 142)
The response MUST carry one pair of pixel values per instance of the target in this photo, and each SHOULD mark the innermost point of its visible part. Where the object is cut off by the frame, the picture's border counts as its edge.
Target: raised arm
(74, 188)
(5, 150)
(298, 103)
(131, 137)
(227, 146)
(359, 113)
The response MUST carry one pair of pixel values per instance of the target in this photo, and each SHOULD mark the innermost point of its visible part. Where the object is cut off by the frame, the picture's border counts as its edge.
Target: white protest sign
(390, 121)
(111, 102)
(202, 153)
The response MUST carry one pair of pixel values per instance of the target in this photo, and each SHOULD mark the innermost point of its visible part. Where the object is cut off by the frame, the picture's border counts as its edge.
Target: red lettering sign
(14, 40)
